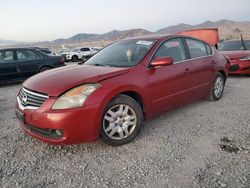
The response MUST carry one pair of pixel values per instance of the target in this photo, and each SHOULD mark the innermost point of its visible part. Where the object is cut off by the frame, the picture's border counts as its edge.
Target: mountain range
(227, 30)
(9, 42)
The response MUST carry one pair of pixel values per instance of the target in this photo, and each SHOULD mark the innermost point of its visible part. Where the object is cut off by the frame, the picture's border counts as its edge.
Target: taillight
(62, 61)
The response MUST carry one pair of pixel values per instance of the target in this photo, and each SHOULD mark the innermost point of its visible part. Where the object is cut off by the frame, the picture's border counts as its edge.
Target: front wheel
(74, 58)
(217, 87)
(121, 121)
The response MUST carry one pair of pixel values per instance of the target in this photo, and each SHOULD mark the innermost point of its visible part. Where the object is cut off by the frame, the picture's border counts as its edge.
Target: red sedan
(124, 84)
(238, 52)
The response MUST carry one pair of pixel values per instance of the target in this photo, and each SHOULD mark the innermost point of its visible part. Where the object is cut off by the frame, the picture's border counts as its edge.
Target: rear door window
(196, 48)
(26, 55)
(172, 48)
(6, 56)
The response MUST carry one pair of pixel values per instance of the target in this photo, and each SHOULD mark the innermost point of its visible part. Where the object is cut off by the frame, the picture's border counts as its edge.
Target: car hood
(56, 81)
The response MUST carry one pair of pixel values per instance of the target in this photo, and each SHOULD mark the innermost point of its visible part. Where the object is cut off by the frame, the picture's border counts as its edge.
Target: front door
(169, 86)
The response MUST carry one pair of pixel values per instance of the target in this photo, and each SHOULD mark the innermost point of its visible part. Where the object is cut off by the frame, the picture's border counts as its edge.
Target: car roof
(153, 36)
(18, 48)
(162, 37)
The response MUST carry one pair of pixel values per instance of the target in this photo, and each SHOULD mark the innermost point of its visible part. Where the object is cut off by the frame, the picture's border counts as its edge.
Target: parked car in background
(63, 52)
(238, 51)
(95, 50)
(124, 84)
(80, 53)
(21, 63)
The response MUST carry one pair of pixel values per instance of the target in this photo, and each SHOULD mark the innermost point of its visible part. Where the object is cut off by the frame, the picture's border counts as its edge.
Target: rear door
(169, 86)
(203, 66)
(8, 65)
(28, 62)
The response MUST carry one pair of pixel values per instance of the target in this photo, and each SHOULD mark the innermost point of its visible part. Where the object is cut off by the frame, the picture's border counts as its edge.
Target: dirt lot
(204, 144)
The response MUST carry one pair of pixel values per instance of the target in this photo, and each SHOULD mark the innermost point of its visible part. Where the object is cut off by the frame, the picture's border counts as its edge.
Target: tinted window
(85, 49)
(196, 48)
(230, 45)
(6, 56)
(26, 55)
(172, 48)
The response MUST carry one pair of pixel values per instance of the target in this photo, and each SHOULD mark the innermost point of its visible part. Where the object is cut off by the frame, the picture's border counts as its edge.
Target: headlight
(245, 58)
(75, 97)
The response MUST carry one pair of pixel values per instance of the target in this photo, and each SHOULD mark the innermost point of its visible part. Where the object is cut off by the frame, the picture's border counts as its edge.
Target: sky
(39, 20)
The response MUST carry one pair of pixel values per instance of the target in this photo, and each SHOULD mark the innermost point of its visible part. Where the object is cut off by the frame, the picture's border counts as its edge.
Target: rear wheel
(44, 69)
(121, 121)
(217, 87)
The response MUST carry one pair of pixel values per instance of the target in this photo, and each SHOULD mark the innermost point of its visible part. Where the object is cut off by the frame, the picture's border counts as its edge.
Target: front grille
(30, 99)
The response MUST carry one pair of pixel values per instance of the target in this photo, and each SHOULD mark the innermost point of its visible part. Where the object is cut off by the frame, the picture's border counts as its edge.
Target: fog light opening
(59, 133)
(55, 133)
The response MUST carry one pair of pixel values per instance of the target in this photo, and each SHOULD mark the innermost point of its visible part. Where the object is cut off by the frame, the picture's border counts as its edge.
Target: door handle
(187, 71)
(213, 62)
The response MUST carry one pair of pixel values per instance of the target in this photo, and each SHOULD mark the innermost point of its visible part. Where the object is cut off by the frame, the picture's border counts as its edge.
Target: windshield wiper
(102, 65)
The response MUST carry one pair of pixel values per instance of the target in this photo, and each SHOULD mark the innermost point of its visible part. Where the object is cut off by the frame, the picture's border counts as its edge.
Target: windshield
(230, 46)
(126, 53)
(75, 50)
(247, 44)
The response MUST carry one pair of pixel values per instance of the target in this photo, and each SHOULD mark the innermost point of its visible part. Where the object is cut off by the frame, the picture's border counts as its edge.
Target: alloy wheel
(119, 121)
(218, 86)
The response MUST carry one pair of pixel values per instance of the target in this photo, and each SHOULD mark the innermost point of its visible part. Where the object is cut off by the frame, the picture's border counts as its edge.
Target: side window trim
(188, 56)
(209, 49)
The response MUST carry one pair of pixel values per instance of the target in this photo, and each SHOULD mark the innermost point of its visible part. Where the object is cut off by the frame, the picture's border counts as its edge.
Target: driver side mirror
(162, 61)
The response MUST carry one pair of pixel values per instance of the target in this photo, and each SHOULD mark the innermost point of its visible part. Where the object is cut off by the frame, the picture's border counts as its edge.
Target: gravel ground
(204, 144)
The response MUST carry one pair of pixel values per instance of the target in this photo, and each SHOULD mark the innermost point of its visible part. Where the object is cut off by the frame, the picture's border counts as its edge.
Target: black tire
(74, 58)
(216, 93)
(132, 130)
(44, 69)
